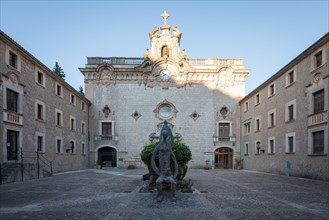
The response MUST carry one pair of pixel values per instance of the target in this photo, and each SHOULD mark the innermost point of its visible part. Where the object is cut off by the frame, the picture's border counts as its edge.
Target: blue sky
(265, 34)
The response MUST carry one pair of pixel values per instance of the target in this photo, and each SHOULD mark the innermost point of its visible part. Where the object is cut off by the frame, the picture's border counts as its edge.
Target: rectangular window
(318, 59)
(246, 106)
(290, 112)
(83, 106)
(72, 123)
(291, 77)
(271, 120)
(318, 101)
(257, 124)
(247, 128)
(290, 144)
(73, 99)
(223, 131)
(318, 142)
(13, 59)
(59, 146)
(257, 99)
(271, 90)
(271, 146)
(107, 128)
(59, 118)
(246, 149)
(40, 78)
(59, 90)
(12, 101)
(40, 143)
(40, 112)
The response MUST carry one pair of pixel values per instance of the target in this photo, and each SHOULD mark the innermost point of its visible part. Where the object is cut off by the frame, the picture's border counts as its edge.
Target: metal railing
(35, 158)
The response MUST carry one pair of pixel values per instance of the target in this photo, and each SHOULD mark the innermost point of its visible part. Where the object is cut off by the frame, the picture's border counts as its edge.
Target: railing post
(51, 168)
(22, 164)
(38, 164)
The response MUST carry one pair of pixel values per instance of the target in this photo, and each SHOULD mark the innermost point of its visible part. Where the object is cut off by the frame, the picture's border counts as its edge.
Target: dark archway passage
(108, 156)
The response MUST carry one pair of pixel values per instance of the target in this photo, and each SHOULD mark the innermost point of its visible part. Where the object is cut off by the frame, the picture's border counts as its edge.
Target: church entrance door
(108, 156)
(224, 158)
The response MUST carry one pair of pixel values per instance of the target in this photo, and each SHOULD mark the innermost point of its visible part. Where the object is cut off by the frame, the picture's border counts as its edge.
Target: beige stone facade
(198, 97)
(37, 113)
(286, 118)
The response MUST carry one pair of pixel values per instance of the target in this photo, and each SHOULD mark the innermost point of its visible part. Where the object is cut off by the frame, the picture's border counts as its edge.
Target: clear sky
(265, 34)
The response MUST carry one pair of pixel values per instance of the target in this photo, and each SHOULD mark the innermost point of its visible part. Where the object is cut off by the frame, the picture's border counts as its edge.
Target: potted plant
(207, 166)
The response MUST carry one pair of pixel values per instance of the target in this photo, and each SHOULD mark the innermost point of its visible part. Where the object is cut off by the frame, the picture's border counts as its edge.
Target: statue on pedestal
(165, 156)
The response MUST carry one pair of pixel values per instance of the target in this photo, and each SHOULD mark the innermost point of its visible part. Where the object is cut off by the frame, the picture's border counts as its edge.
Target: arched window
(165, 51)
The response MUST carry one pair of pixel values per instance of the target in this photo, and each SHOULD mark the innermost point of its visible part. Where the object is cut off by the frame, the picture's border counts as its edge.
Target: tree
(59, 71)
(81, 91)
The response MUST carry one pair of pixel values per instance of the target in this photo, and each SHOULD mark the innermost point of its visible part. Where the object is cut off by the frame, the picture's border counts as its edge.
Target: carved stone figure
(165, 156)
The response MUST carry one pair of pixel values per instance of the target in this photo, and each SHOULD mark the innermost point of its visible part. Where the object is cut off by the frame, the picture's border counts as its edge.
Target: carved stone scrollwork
(225, 79)
(107, 113)
(224, 114)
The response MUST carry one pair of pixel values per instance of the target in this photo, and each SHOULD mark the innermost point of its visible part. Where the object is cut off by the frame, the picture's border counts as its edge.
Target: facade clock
(165, 75)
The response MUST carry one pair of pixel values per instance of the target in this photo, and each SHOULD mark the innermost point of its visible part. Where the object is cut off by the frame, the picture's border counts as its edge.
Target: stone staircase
(10, 172)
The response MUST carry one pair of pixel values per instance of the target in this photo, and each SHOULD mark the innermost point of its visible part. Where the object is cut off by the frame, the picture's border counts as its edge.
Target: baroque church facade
(281, 125)
(132, 97)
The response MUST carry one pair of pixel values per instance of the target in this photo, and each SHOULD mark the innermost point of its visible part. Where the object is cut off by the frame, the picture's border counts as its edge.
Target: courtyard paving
(114, 194)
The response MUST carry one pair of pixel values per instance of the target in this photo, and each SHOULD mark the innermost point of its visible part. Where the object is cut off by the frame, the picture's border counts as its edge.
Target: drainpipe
(240, 141)
(88, 136)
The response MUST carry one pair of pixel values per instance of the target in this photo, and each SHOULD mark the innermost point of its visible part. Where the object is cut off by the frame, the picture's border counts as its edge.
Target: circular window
(165, 112)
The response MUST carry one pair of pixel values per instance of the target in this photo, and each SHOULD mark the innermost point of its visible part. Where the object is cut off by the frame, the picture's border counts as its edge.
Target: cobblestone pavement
(114, 194)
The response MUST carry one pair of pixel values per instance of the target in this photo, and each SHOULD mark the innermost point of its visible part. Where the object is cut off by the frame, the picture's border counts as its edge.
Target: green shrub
(181, 151)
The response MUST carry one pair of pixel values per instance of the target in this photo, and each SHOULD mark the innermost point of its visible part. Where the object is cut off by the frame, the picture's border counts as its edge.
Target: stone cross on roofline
(165, 15)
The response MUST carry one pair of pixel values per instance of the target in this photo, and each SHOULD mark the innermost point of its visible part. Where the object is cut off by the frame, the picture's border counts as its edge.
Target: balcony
(318, 118)
(106, 139)
(13, 117)
(227, 140)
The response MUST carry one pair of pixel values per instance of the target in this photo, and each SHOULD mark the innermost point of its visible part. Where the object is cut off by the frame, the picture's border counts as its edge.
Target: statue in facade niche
(165, 157)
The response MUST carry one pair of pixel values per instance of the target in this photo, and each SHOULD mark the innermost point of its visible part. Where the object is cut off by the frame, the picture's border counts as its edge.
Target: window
(271, 145)
(39, 110)
(72, 99)
(258, 146)
(291, 77)
(247, 128)
(59, 145)
(165, 51)
(40, 78)
(59, 90)
(223, 131)
(246, 106)
(318, 59)
(83, 127)
(12, 101)
(72, 123)
(257, 124)
(83, 148)
(318, 142)
(13, 60)
(271, 118)
(40, 142)
(107, 128)
(290, 113)
(257, 99)
(59, 117)
(83, 106)
(290, 142)
(318, 101)
(271, 90)
(72, 147)
(246, 150)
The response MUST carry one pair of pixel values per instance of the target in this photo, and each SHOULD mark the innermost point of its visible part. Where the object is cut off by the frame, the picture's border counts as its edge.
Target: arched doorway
(224, 158)
(108, 156)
